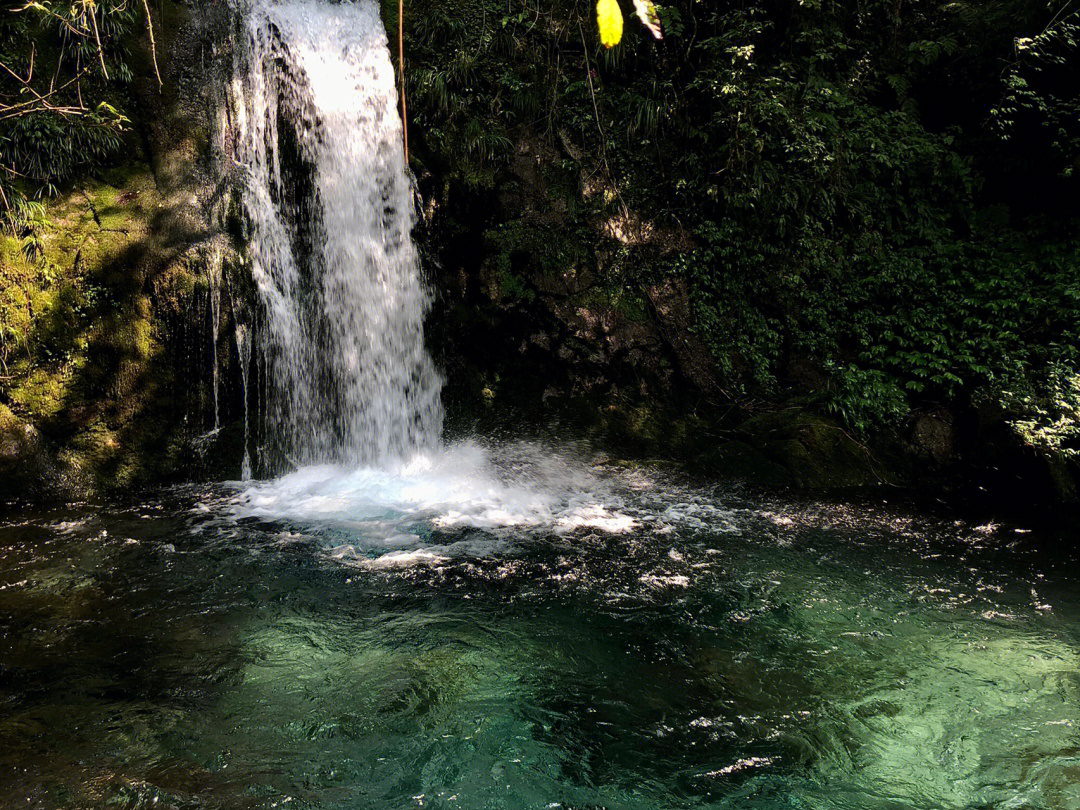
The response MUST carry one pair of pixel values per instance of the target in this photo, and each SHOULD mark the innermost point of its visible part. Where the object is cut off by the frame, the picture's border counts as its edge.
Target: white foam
(460, 486)
(450, 502)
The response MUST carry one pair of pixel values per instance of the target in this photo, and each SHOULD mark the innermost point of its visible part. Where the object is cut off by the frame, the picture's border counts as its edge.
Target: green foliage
(1040, 89)
(513, 288)
(460, 97)
(64, 65)
(863, 399)
(1049, 413)
(49, 150)
(515, 244)
(863, 187)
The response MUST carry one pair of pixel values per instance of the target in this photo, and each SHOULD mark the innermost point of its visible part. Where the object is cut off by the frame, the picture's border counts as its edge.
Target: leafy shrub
(1048, 411)
(863, 399)
(63, 64)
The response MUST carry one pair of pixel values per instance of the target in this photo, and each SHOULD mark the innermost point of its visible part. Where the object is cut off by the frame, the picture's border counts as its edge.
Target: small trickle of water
(243, 349)
(215, 320)
(328, 203)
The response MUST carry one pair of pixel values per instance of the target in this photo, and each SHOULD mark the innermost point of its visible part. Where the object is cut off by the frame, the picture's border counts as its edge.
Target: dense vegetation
(64, 67)
(56, 120)
(878, 196)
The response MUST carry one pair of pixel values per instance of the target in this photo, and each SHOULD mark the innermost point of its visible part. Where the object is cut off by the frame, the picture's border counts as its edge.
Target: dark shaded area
(860, 215)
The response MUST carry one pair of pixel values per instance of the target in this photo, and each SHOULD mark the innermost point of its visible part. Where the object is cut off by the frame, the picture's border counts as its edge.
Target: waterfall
(315, 131)
(333, 357)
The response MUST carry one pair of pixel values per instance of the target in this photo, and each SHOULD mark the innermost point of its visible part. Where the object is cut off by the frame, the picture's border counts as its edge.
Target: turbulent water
(314, 127)
(589, 636)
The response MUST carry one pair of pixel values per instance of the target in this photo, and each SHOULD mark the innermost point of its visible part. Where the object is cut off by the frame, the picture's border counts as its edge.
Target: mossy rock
(40, 395)
(22, 460)
(816, 453)
(89, 375)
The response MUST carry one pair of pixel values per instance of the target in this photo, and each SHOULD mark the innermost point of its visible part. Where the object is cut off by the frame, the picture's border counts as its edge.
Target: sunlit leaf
(646, 12)
(609, 19)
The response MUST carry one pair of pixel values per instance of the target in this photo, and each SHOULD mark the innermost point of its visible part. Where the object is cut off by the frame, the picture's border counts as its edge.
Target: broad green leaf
(609, 19)
(646, 12)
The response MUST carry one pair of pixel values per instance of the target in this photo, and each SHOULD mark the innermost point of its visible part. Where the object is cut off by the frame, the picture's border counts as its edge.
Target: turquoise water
(691, 649)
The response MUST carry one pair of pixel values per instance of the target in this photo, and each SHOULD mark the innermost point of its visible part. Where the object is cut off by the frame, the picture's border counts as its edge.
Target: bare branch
(153, 45)
(40, 102)
(50, 13)
(97, 39)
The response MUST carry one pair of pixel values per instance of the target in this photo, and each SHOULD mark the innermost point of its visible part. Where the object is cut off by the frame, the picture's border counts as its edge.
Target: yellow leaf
(609, 18)
(646, 12)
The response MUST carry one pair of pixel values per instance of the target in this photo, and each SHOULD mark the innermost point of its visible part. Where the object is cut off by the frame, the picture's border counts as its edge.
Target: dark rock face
(528, 290)
(534, 313)
(995, 464)
(675, 314)
(933, 436)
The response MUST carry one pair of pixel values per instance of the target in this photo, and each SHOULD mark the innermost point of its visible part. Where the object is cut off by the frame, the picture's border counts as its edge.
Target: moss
(96, 445)
(82, 336)
(40, 395)
(817, 453)
(14, 435)
(21, 459)
(97, 329)
(652, 430)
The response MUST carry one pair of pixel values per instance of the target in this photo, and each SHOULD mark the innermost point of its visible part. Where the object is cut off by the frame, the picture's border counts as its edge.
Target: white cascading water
(351, 408)
(341, 340)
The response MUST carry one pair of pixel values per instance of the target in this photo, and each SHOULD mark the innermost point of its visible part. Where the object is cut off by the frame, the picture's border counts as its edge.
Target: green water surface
(802, 656)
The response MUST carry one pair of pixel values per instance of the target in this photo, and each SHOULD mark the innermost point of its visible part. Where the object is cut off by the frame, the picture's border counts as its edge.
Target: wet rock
(933, 436)
(739, 461)
(816, 453)
(21, 454)
(1065, 479)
